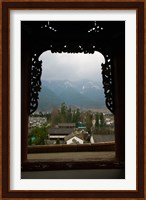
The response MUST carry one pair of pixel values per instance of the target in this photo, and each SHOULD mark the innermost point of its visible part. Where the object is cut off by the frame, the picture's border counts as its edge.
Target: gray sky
(73, 67)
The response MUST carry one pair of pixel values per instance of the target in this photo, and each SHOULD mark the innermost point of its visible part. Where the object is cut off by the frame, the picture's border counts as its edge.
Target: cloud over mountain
(82, 94)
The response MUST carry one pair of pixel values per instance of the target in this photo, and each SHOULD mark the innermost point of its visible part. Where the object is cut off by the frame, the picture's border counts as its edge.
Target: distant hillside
(73, 98)
(83, 94)
(47, 99)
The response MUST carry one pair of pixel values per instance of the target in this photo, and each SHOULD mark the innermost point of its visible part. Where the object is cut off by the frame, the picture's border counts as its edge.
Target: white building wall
(70, 141)
(92, 140)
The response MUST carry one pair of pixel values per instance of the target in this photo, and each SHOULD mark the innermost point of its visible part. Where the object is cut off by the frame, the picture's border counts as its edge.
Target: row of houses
(102, 138)
(67, 133)
(36, 122)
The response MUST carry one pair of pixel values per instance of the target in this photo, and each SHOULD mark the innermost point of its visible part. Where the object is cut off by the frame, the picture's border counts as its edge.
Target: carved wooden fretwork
(96, 28)
(47, 26)
(35, 83)
(70, 47)
(107, 77)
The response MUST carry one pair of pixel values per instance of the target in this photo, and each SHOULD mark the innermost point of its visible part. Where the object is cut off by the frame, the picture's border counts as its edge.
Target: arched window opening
(80, 74)
(71, 106)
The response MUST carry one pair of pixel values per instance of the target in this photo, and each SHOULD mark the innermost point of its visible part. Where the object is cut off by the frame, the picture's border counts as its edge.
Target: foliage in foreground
(38, 136)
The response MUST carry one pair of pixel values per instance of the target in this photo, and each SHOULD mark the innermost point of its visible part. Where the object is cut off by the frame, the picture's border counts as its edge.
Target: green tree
(55, 117)
(48, 116)
(97, 120)
(58, 141)
(102, 121)
(88, 121)
(76, 116)
(38, 136)
(63, 112)
(69, 115)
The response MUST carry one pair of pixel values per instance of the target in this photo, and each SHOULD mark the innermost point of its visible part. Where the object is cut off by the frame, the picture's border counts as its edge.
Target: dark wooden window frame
(109, 71)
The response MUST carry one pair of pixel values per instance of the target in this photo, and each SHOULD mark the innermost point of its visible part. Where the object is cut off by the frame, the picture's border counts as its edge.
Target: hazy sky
(67, 66)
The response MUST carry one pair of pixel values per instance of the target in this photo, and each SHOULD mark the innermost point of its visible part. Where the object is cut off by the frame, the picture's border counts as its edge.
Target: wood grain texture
(0, 101)
(72, 199)
(145, 100)
(1, 98)
(72, 1)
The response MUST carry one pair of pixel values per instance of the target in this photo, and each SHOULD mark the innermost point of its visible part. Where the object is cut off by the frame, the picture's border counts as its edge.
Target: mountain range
(82, 94)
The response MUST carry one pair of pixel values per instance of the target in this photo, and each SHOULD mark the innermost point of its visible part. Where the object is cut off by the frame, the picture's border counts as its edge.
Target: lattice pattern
(96, 28)
(35, 83)
(47, 26)
(72, 48)
(108, 83)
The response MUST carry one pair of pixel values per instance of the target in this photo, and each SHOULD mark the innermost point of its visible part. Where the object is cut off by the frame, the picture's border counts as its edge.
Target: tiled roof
(74, 134)
(104, 138)
(65, 131)
(66, 124)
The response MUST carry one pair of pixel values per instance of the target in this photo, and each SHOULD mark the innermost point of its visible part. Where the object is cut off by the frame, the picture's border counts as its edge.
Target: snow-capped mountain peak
(68, 84)
(82, 93)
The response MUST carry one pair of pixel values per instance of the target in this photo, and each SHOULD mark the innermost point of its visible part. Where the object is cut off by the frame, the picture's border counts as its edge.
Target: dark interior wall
(76, 174)
(25, 72)
(119, 97)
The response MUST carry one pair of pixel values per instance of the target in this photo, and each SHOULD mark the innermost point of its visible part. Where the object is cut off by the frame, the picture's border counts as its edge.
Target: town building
(102, 138)
(59, 133)
(66, 125)
(77, 137)
(36, 121)
(74, 138)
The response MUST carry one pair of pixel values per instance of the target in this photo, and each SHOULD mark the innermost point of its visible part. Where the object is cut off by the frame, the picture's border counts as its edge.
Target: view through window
(71, 106)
